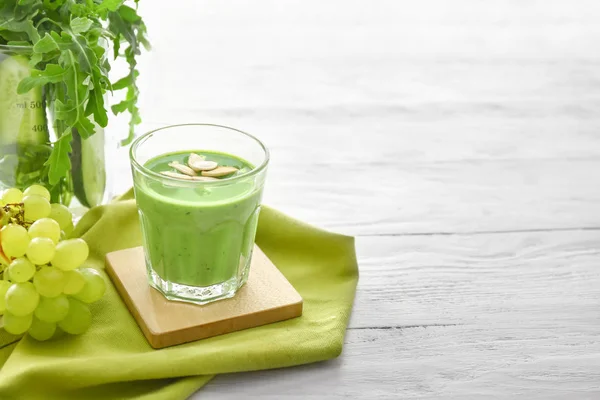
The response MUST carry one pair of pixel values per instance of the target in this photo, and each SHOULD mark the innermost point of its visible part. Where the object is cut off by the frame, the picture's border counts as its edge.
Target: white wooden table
(458, 141)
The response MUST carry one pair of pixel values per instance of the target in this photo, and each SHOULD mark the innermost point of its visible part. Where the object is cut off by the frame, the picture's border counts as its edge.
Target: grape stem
(13, 213)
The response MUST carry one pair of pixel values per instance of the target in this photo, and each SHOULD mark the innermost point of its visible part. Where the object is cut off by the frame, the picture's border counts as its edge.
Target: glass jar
(26, 138)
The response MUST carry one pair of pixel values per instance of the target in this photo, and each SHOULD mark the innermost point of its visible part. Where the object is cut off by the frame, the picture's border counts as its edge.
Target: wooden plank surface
(458, 140)
(510, 315)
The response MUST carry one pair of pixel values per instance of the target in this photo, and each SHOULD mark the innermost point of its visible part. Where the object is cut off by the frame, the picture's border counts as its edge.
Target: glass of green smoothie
(198, 189)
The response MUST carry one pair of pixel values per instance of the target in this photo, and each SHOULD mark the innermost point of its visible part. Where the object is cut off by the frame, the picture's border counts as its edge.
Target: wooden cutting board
(267, 297)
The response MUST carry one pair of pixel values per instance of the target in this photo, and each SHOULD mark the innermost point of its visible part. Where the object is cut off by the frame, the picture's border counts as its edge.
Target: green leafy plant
(69, 41)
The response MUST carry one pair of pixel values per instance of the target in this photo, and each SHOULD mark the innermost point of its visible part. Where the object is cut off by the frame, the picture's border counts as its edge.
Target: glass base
(194, 294)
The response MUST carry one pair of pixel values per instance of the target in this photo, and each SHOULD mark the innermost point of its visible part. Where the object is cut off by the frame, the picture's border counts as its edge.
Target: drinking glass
(198, 236)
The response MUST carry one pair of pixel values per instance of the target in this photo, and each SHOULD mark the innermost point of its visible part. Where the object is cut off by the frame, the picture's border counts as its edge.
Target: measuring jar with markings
(27, 134)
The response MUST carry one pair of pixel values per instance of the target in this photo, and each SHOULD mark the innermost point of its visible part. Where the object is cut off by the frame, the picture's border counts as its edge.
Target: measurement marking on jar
(33, 104)
(40, 128)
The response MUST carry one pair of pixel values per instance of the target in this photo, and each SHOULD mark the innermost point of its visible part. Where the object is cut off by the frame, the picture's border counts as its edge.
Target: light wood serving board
(267, 297)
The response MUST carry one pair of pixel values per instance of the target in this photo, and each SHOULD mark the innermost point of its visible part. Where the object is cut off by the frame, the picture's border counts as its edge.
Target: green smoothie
(199, 233)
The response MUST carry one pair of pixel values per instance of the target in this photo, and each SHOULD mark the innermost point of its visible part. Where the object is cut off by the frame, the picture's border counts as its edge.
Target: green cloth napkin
(113, 360)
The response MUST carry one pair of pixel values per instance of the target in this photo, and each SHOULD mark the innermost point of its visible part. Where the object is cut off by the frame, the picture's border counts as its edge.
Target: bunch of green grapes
(44, 286)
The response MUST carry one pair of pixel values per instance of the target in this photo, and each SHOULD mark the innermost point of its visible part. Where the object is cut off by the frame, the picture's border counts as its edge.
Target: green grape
(12, 196)
(94, 286)
(41, 250)
(70, 254)
(45, 227)
(74, 282)
(15, 240)
(52, 309)
(41, 330)
(36, 207)
(21, 270)
(21, 298)
(16, 324)
(78, 320)
(49, 281)
(37, 190)
(62, 215)
(4, 285)
(68, 230)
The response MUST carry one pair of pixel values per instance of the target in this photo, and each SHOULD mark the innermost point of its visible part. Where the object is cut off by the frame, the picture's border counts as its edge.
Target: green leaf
(126, 81)
(96, 106)
(83, 8)
(128, 14)
(110, 5)
(74, 78)
(26, 2)
(81, 24)
(29, 83)
(63, 111)
(116, 47)
(35, 59)
(119, 27)
(52, 74)
(86, 56)
(85, 127)
(45, 45)
(25, 27)
(120, 107)
(53, 4)
(59, 161)
(98, 51)
(19, 43)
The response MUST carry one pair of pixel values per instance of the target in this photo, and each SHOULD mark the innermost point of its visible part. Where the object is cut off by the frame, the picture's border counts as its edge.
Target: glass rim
(151, 174)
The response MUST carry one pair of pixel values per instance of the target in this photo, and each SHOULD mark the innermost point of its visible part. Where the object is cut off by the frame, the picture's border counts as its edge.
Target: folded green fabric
(113, 360)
